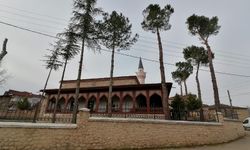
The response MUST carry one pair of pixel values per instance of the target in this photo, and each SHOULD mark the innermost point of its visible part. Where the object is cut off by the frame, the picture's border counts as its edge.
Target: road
(241, 144)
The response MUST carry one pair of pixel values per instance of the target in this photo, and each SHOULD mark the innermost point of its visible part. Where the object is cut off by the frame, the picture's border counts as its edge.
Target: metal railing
(65, 116)
(231, 115)
(142, 112)
(17, 115)
(155, 113)
(193, 115)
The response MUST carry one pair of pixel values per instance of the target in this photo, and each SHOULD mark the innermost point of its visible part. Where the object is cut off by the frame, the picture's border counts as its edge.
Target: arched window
(61, 104)
(115, 103)
(92, 103)
(51, 104)
(103, 104)
(70, 105)
(81, 102)
(156, 103)
(141, 103)
(127, 104)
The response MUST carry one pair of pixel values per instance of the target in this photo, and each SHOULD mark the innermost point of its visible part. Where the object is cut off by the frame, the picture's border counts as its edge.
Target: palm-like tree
(84, 24)
(185, 69)
(204, 27)
(68, 51)
(52, 63)
(156, 20)
(198, 56)
(117, 35)
(177, 77)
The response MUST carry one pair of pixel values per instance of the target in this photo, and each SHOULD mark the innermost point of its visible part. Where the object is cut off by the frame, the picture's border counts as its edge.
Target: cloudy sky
(26, 71)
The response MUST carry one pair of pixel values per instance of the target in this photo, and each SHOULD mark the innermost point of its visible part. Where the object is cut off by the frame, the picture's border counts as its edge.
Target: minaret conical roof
(140, 64)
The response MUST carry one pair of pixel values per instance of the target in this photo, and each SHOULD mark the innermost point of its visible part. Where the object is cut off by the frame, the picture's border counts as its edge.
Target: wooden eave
(156, 86)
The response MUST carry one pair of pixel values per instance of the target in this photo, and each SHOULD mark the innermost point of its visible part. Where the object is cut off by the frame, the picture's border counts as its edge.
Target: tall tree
(177, 77)
(184, 69)
(52, 62)
(203, 27)
(69, 50)
(84, 22)
(2, 54)
(4, 49)
(2, 76)
(198, 56)
(156, 20)
(117, 35)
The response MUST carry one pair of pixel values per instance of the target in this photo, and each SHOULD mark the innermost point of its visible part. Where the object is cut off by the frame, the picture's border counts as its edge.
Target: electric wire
(144, 39)
(132, 56)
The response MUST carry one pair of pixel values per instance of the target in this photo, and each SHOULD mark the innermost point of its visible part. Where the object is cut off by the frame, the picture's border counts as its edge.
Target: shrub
(193, 103)
(23, 104)
(178, 105)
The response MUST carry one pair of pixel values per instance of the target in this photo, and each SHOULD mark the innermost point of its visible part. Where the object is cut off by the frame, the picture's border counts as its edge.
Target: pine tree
(117, 35)
(199, 57)
(52, 62)
(84, 23)
(203, 27)
(69, 50)
(156, 20)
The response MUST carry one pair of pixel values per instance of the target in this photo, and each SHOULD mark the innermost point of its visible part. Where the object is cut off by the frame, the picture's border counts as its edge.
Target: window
(245, 121)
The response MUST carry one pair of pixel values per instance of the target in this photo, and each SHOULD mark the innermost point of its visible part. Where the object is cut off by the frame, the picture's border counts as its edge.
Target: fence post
(219, 117)
(154, 110)
(83, 116)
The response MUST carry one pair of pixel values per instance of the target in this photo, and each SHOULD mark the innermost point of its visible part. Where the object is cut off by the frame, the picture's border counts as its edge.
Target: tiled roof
(106, 78)
(226, 106)
(20, 93)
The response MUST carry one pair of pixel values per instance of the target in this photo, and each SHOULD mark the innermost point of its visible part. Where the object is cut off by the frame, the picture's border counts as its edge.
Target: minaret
(141, 75)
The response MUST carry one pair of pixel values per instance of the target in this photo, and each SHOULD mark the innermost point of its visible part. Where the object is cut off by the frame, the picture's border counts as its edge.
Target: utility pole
(231, 106)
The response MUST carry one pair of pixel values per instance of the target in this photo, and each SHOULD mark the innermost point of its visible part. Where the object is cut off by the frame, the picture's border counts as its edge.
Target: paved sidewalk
(241, 144)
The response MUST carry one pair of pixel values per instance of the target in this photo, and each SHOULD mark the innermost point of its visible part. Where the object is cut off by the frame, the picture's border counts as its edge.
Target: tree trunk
(185, 85)
(75, 109)
(40, 102)
(181, 89)
(163, 80)
(59, 92)
(198, 82)
(214, 82)
(4, 52)
(199, 92)
(111, 83)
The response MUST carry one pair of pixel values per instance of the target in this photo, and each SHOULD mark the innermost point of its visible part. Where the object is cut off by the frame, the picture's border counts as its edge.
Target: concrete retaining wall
(100, 133)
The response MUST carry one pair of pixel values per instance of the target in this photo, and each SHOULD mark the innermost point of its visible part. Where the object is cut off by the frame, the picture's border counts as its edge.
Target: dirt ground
(241, 144)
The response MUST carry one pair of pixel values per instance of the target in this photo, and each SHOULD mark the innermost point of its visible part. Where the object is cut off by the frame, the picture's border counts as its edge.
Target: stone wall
(242, 114)
(101, 133)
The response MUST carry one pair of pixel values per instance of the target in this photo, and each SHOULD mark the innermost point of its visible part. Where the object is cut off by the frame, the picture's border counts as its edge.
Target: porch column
(66, 103)
(134, 101)
(46, 102)
(121, 102)
(97, 102)
(148, 101)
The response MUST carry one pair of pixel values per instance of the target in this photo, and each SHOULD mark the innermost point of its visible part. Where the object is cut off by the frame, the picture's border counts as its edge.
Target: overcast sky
(26, 71)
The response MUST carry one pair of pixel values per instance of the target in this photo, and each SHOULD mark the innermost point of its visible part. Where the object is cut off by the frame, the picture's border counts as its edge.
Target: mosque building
(130, 95)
